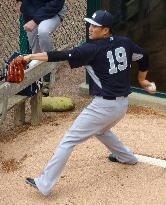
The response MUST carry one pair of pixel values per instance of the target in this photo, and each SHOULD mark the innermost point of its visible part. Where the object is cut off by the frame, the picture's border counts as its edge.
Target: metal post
(23, 39)
(92, 6)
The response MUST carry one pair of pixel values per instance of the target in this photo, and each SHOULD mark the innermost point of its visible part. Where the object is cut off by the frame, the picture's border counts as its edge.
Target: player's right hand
(27, 58)
(30, 26)
(148, 86)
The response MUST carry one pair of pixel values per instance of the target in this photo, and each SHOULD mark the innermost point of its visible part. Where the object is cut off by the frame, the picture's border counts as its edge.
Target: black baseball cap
(101, 18)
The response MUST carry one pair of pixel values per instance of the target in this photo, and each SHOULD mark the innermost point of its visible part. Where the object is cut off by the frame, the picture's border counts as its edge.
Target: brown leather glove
(16, 70)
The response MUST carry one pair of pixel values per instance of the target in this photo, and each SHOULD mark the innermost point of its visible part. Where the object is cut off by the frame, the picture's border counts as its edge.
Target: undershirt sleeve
(140, 56)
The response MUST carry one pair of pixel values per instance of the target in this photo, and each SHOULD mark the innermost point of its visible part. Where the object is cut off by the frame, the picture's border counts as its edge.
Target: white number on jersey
(120, 55)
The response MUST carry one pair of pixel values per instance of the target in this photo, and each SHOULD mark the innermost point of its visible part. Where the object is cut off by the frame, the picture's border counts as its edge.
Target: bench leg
(52, 78)
(19, 114)
(36, 108)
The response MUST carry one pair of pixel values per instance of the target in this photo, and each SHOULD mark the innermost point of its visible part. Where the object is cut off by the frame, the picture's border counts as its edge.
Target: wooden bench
(10, 99)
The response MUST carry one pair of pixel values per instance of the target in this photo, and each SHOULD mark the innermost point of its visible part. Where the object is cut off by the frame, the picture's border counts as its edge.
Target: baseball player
(107, 59)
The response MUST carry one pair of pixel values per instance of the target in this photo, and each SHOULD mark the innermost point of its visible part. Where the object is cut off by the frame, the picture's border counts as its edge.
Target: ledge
(135, 98)
(147, 101)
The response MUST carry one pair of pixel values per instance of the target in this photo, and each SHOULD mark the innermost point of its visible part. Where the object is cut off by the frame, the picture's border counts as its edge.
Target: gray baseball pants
(96, 119)
(40, 38)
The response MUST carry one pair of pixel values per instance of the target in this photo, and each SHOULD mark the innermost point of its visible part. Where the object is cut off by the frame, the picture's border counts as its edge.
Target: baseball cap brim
(91, 21)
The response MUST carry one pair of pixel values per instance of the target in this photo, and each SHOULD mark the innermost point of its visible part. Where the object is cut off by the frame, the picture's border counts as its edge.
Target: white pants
(40, 39)
(96, 119)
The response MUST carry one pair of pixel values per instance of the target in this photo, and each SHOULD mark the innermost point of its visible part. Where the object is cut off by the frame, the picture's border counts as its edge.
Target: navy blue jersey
(108, 62)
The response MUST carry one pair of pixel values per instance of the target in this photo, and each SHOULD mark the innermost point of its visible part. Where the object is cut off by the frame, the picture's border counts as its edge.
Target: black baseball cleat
(31, 182)
(112, 158)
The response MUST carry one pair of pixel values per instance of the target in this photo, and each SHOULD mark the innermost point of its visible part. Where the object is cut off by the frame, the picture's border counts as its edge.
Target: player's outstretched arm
(77, 57)
(37, 56)
(146, 84)
(52, 56)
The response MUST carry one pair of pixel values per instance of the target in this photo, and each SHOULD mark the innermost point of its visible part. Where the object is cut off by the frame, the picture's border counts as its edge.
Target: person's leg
(35, 47)
(34, 41)
(45, 30)
(96, 117)
(40, 38)
(122, 153)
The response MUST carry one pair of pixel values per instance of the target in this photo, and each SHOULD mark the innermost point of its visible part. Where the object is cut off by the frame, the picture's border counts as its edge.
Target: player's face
(97, 32)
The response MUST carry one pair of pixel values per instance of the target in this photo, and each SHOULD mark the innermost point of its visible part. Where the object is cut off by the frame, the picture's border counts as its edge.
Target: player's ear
(106, 30)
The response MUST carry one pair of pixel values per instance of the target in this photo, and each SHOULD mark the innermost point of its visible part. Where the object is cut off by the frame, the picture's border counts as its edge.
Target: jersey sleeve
(141, 56)
(77, 57)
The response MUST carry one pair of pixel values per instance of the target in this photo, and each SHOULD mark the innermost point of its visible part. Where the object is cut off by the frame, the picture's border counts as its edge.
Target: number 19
(120, 55)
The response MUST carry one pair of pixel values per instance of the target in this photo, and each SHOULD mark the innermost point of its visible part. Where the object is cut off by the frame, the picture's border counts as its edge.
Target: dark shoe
(45, 92)
(47, 77)
(31, 182)
(112, 158)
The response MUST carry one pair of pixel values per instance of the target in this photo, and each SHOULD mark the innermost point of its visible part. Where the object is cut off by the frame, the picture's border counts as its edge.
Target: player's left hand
(29, 26)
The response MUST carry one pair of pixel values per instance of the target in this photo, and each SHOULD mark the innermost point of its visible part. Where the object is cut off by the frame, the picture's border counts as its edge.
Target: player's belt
(112, 98)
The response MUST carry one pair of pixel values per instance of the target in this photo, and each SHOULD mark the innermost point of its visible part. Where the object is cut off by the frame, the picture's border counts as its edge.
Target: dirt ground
(89, 178)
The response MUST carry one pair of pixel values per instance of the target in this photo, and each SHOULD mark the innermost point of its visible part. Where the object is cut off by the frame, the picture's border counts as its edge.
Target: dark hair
(110, 29)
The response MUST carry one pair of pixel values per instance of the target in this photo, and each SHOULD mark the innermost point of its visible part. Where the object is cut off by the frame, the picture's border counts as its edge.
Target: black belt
(112, 98)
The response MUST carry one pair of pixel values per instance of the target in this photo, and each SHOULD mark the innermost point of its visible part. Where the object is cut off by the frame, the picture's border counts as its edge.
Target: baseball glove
(16, 70)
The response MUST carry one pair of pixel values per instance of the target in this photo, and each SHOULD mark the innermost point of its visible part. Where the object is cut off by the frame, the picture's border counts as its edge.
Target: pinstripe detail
(93, 76)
